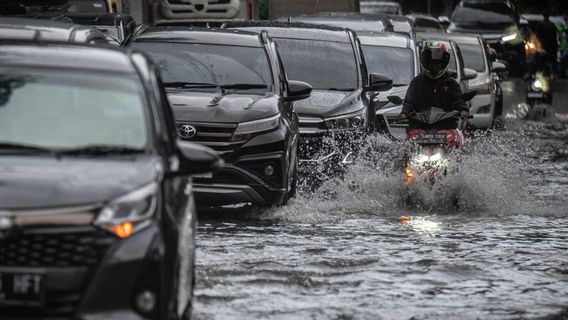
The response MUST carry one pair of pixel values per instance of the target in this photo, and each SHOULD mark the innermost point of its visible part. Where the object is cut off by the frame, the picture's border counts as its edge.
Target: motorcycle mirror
(395, 100)
(498, 67)
(469, 96)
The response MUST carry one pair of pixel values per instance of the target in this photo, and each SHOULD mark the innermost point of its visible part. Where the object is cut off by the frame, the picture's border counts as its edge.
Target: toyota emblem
(187, 131)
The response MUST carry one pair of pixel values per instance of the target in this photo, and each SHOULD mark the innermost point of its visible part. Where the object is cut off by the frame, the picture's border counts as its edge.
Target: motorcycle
(538, 77)
(433, 149)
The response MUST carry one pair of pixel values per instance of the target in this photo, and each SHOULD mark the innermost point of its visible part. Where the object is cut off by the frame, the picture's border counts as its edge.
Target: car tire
(293, 185)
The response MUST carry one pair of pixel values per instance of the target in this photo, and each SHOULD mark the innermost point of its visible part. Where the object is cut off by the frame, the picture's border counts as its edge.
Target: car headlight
(245, 130)
(129, 213)
(348, 121)
(511, 37)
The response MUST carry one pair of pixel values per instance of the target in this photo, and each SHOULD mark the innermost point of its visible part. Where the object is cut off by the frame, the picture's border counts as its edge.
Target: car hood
(325, 103)
(47, 182)
(218, 107)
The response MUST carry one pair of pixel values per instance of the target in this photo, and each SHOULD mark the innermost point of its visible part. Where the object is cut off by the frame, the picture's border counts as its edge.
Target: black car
(229, 91)
(338, 115)
(498, 22)
(118, 27)
(96, 214)
(28, 29)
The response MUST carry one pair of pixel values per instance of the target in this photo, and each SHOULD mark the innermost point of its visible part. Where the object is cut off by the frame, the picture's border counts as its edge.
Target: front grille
(214, 135)
(312, 124)
(46, 248)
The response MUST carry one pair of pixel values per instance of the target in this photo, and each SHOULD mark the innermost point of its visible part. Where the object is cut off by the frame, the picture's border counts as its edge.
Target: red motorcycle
(433, 145)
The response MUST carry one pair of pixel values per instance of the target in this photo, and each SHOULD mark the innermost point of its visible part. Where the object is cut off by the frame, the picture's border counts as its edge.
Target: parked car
(198, 9)
(118, 27)
(353, 21)
(456, 69)
(53, 31)
(96, 213)
(17, 7)
(498, 22)
(425, 23)
(397, 57)
(229, 91)
(339, 113)
(487, 105)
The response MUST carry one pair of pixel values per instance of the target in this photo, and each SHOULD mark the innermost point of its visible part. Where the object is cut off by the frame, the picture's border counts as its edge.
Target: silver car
(199, 9)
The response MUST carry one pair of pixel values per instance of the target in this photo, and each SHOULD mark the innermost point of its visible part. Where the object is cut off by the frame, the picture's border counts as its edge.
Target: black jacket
(424, 93)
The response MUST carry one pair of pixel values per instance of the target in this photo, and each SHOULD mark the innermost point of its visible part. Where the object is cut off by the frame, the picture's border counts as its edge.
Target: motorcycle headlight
(537, 85)
(510, 37)
(422, 158)
(129, 213)
(245, 130)
(348, 121)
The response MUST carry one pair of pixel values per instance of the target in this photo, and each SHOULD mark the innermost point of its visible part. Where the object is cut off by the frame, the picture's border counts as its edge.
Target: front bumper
(88, 273)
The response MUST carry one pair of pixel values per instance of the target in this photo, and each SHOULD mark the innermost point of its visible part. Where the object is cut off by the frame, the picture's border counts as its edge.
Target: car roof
(457, 37)
(28, 29)
(201, 35)
(84, 19)
(65, 56)
(385, 39)
(346, 20)
(294, 30)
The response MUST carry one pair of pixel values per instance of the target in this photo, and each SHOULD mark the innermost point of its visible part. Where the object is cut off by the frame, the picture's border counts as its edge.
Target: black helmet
(434, 59)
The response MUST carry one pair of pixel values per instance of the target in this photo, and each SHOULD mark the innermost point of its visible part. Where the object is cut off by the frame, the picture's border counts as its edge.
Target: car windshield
(61, 6)
(483, 13)
(396, 63)
(323, 64)
(473, 56)
(70, 110)
(197, 64)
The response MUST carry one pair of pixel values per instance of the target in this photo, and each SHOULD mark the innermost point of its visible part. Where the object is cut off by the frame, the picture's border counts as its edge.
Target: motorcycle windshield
(434, 115)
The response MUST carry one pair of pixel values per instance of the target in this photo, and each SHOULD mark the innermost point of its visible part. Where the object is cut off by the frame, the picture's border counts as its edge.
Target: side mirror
(523, 22)
(468, 96)
(444, 21)
(196, 158)
(469, 74)
(395, 100)
(379, 82)
(498, 67)
(298, 90)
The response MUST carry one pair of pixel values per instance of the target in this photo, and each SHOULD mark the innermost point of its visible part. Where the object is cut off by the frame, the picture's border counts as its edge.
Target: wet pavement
(489, 242)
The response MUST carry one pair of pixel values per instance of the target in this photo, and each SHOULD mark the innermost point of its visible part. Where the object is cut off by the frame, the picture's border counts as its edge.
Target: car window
(207, 63)
(55, 109)
(396, 63)
(483, 13)
(473, 56)
(322, 64)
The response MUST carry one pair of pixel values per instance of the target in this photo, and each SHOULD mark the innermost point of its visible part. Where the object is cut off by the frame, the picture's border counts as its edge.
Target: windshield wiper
(244, 86)
(181, 84)
(96, 150)
(25, 148)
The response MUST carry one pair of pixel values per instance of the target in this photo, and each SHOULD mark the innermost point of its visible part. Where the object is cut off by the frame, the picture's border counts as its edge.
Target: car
(229, 92)
(498, 22)
(425, 23)
(487, 105)
(198, 9)
(51, 31)
(118, 27)
(353, 21)
(397, 57)
(339, 114)
(456, 69)
(18, 7)
(380, 6)
(96, 212)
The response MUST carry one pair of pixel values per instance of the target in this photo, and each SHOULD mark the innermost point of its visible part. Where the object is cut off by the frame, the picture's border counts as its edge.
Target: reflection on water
(489, 242)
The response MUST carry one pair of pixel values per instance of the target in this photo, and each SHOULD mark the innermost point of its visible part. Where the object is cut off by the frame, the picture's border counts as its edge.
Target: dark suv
(497, 21)
(338, 114)
(229, 91)
(96, 215)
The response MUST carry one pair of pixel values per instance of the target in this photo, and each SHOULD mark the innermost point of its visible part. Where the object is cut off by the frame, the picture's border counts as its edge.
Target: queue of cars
(111, 132)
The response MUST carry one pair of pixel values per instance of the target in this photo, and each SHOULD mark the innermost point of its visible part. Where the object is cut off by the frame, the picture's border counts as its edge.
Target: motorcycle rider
(434, 87)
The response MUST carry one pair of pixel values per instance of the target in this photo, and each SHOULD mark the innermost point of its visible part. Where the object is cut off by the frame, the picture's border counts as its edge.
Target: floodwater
(488, 242)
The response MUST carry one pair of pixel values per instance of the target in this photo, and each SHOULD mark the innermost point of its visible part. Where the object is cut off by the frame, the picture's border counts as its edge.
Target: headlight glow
(348, 121)
(127, 214)
(537, 85)
(510, 37)
(422, 158)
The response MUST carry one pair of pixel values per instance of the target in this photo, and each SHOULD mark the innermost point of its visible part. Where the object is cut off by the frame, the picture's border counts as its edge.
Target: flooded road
(490, 242)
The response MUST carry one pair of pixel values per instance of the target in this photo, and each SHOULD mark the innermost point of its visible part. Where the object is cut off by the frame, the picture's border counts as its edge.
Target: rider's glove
(464, 114)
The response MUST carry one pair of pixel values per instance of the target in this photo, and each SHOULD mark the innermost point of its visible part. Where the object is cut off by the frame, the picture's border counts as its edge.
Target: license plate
(535, 95)
(208, 175)
(22, 289)
(431, 138)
